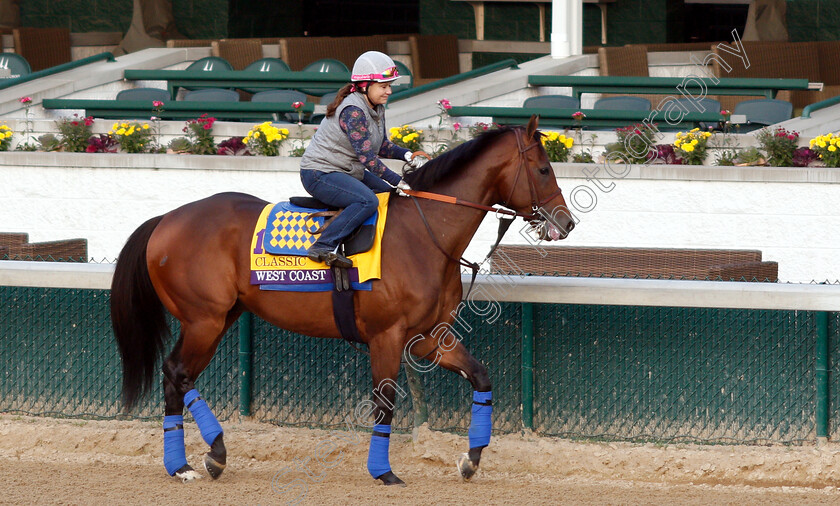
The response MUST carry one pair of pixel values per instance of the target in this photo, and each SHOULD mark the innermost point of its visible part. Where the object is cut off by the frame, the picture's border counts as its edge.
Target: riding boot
(329, 257)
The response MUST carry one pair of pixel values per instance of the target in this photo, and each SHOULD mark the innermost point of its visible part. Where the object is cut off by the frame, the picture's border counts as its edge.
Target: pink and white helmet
(374, 66)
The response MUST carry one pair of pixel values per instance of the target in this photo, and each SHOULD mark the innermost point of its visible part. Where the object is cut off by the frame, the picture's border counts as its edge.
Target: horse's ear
(531, 129)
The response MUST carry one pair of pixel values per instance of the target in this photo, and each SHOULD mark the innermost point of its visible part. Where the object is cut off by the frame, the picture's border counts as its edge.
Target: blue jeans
(358, 198)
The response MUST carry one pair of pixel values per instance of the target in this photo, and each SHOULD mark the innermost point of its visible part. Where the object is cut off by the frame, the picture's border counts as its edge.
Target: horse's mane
(452, 161)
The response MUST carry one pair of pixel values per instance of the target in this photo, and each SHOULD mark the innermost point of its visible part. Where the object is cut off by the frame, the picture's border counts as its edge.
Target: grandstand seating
(43, 47)
(762, 112)
(150, 94)
(434, 57)
(238, 52)
(16, 64)
(623, 104)
(559, 101)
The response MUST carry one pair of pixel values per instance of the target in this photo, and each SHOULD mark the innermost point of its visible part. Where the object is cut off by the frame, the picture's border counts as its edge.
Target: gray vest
(330, 149)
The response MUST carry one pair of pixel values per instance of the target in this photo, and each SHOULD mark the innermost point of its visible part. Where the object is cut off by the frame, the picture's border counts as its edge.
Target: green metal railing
(575, 370)
(8, 83)
(594, 118)
(457, 78)
(806, 112)
(131, 109)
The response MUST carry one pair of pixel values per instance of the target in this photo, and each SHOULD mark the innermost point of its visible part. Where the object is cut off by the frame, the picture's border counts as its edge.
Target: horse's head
(527, 185)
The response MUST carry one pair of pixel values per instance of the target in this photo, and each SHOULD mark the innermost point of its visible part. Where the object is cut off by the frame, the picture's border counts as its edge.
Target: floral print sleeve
(391, 150)
(354, 123)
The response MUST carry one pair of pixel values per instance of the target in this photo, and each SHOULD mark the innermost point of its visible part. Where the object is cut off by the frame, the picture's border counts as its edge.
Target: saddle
(359, 241)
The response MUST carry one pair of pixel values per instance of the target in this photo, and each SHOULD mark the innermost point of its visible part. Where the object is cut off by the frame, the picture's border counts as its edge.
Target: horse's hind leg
(451, 354)
(190, 356)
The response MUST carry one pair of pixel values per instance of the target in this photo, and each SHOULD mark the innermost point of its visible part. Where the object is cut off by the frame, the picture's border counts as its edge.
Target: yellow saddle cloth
(286, 228)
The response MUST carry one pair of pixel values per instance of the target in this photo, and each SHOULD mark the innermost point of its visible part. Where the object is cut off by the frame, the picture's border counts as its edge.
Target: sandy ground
(59, 461)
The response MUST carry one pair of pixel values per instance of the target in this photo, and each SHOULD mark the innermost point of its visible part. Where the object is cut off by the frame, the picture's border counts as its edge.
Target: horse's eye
(544, 171)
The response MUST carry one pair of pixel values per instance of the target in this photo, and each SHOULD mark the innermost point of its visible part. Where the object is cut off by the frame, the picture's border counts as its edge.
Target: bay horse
(194, 262)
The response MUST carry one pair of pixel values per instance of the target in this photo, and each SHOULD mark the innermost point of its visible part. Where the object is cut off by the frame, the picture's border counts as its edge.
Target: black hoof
(214, 469)
(390, 478)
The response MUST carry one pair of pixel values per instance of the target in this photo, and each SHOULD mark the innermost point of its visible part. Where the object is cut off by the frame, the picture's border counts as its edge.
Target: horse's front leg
(451, 354)
(385, 366)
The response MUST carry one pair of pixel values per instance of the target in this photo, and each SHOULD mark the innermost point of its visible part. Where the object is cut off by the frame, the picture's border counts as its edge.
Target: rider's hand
(402, 186)
(417, 159)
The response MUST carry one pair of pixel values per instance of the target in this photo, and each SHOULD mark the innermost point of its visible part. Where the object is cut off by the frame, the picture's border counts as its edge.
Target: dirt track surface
(56, 461)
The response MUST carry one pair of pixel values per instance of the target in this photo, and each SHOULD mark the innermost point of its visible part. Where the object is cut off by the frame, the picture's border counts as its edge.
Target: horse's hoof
(390, 478)
(465, 467)
(187, 474)
(214, 469)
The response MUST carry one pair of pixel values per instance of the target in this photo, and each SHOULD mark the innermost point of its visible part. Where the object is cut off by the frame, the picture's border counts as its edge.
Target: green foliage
(779, 145)
(74, 133)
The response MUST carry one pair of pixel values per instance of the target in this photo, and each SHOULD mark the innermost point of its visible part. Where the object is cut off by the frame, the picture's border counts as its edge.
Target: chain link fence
(606, 372)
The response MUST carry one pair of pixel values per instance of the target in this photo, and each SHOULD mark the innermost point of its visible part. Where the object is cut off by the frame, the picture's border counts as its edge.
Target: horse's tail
(138, 316)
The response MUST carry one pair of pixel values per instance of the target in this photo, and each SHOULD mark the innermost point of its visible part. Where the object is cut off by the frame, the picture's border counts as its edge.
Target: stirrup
(330, 258)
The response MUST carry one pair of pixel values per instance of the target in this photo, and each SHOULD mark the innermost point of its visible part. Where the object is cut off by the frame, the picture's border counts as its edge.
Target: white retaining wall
(791, 215)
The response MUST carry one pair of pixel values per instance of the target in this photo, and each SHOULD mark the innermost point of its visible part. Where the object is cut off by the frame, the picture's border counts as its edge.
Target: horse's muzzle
(549, 231)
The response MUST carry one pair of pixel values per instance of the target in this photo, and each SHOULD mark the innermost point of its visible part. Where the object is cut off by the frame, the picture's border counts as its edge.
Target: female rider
(341, 166)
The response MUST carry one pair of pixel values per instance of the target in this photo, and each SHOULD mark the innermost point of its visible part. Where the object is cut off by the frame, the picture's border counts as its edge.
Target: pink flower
(208, 126)
(445, 104)
(74, 123)
(25, 100)
(88, 121)
(791, 137)
(456, 126)
(725, 113)
(157, 103)
(578, 116)
(297, 105)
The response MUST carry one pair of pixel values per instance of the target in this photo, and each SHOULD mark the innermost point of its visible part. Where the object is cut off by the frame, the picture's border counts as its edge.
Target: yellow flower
(121, 131)
(145, 126)
(688, 148)
(569, 142)
(832, 148)
(116, 126)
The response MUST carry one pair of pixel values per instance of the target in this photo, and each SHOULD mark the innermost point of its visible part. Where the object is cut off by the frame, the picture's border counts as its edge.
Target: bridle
(533, 217)
(536, 204)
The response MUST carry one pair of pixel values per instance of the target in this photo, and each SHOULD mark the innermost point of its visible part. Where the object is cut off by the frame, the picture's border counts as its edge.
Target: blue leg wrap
(207, 423)
(378, 463)
(174, 453)
(481, 423)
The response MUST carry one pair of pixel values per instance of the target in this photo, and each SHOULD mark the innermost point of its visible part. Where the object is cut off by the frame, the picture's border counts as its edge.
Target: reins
(504, 223)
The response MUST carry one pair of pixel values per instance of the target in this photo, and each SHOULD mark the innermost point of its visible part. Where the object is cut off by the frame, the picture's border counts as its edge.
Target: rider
(341, 166)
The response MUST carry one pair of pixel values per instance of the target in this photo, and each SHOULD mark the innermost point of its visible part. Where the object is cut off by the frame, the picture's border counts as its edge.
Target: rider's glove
(416, 159)
(402, 186)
